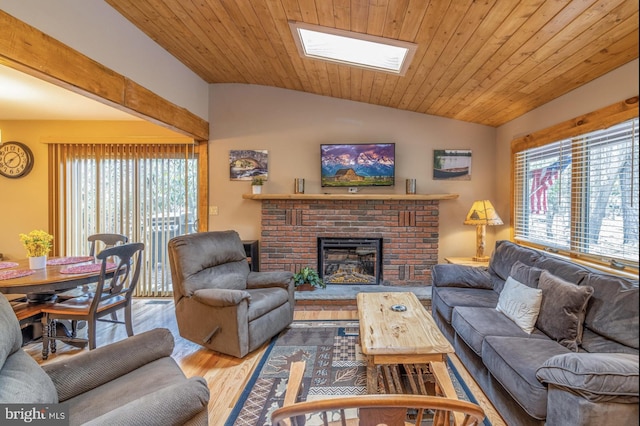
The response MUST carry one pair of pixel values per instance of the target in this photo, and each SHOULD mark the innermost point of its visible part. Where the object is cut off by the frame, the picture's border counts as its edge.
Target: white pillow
(520, 303)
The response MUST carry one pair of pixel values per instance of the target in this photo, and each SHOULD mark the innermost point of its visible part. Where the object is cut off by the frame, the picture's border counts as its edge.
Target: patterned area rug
(334, 366)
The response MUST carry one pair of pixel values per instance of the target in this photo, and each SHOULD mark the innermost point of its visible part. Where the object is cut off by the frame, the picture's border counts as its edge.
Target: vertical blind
(580, 195)
(147, 192)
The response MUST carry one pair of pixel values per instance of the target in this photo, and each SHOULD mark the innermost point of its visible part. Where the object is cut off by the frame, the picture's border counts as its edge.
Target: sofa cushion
(504, 256)
(597, 377)
(474, 324)
(562, 310)
(22, 381)
(565, 269)
(527, 275)
(521, 304)
(444, 299)
(593, 342)
(514, 361)
(619, 324)
(449, 275)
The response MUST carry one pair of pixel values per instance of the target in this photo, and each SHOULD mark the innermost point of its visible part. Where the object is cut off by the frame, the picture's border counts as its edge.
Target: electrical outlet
(213, 210)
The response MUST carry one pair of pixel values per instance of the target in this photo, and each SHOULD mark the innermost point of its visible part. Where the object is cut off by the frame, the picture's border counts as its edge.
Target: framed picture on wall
(452, 164)
(246, 164)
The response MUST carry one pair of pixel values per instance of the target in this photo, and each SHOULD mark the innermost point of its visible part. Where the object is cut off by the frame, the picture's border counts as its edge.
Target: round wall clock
(16, 159)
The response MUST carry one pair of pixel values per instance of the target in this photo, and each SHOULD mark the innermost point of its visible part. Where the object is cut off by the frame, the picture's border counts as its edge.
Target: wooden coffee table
(396, 337)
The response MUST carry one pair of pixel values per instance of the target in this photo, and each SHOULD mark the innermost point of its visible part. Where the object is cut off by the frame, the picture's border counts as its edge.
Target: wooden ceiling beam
(29, 50)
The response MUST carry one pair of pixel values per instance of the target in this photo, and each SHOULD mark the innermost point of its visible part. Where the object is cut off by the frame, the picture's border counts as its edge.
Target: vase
(256, 189)
(37, 262)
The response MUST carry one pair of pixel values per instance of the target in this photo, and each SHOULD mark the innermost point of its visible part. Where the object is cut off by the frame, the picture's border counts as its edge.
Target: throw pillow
(520, 303)
(562, 310)
(527, 275)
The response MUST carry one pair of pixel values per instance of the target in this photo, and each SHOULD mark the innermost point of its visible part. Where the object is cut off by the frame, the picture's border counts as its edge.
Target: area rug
(334, 366)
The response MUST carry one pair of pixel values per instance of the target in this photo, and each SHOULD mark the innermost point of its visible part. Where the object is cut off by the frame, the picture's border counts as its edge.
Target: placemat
(15, 273)
(69, 260)
(85, 269)
(5, 265)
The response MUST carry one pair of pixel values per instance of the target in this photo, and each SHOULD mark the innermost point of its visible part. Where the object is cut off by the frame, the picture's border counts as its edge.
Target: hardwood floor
(225, 375)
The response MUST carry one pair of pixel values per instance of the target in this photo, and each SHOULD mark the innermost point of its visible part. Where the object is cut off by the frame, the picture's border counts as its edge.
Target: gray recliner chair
(219, 302)
(134, 381)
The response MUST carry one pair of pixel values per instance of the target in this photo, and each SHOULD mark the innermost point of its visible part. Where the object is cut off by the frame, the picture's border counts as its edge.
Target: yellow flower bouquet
(38, 243)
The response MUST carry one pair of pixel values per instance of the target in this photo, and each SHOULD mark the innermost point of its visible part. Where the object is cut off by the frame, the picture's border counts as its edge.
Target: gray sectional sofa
(579, 365)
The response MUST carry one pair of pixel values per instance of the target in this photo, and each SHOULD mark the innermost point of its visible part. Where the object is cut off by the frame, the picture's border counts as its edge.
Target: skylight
(354, 49)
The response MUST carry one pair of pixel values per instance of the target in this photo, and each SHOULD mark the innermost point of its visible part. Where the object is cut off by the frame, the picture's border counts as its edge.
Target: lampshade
(482, 213)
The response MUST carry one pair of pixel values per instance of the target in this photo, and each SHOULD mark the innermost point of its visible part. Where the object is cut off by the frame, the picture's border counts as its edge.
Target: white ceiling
(23, 97)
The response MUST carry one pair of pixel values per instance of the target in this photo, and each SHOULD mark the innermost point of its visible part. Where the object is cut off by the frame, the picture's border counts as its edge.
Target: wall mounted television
(352, 165)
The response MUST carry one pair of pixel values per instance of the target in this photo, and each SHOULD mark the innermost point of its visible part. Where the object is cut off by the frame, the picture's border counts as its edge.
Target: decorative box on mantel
(406, 223)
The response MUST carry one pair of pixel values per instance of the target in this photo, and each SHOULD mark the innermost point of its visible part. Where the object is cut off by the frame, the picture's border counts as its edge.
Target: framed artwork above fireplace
(245, 164)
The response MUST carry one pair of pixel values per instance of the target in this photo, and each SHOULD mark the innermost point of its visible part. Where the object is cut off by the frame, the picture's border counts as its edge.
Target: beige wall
(291, 126)
(24, 201)
(616, 86)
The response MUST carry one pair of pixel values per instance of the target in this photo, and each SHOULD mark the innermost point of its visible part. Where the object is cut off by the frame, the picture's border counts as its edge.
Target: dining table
(39, 287)
(59, 274)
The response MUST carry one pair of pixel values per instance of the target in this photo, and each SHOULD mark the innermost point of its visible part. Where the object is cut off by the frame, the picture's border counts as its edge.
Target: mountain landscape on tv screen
(374, 162)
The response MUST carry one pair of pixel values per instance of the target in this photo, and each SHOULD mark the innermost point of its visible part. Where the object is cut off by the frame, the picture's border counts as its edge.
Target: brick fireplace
(408, 229)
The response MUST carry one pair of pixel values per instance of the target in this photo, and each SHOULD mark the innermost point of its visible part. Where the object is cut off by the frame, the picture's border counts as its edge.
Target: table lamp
(482, 213)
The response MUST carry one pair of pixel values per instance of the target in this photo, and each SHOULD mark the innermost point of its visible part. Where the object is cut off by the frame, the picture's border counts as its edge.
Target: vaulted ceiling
(482, 61)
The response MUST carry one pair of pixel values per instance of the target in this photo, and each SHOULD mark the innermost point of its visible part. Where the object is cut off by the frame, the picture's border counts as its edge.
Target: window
(579, 196)
(148, 192)
(354, 49)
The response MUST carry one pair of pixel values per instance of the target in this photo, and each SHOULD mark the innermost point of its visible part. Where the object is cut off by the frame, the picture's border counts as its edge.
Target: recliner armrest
(220, 297)
(282, 279)
(88, 370)
(173, 405)
(449, 275)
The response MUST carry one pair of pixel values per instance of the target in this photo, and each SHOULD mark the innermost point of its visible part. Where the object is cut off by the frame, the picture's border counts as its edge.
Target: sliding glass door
(148, 192)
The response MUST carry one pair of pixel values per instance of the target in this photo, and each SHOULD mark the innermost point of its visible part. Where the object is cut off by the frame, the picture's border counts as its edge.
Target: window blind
(580, 195)
(147, 192)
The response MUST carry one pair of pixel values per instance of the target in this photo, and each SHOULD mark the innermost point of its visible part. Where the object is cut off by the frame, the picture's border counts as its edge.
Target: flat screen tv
(350, 165)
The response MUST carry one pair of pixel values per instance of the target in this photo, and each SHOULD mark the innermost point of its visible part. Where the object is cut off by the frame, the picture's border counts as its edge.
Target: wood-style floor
(225, 375)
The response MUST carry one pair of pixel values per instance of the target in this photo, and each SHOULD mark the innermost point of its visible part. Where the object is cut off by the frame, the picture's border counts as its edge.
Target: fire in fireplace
(350, 260)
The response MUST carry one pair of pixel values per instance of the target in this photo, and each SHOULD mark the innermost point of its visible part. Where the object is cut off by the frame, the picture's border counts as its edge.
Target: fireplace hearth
(350, 261)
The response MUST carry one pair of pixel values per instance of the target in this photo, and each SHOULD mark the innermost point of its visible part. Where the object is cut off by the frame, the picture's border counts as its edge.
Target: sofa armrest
(220, 297)
(173, 405)
(597, 377)
(449, 275)
(88, 370)
(282, 279)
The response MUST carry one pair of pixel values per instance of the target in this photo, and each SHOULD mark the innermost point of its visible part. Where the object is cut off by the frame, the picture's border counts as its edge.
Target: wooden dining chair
(372, 410)
(100, 242)
(113, 292)
(97, 243)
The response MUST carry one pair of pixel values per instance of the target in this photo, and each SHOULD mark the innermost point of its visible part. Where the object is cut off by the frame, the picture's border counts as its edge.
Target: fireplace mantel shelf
(350, 196)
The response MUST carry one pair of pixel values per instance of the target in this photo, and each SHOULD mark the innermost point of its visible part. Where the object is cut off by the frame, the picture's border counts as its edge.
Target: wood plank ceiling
(482, 61)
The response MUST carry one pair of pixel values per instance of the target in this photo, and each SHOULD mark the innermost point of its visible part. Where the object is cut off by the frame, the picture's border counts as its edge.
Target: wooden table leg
(444, 385)
(372, 376)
